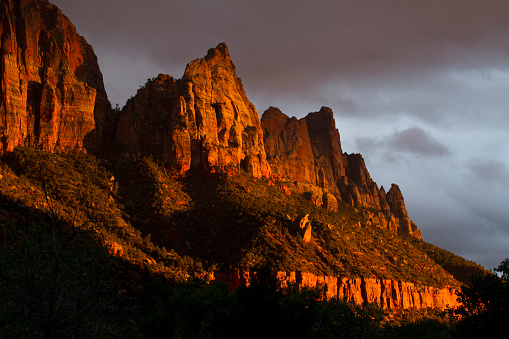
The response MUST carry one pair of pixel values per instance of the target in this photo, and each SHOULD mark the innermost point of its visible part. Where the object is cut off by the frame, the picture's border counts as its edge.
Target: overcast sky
(419, 88)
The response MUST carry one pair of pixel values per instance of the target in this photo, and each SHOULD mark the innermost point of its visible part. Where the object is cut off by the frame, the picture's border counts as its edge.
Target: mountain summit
(205, 120)
(202, 120)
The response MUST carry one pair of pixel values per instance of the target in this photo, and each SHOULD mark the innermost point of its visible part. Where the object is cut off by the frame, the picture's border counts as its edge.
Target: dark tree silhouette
(484, 312)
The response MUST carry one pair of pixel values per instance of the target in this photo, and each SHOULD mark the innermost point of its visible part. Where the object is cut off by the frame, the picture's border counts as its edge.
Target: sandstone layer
(202, 120)
(52, 94)
(307, 152)
(389, 294)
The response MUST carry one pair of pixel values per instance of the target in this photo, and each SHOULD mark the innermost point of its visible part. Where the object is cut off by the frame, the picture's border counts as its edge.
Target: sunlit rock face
(307, 153)
(397, 205)
(389, 294)
(52, 93)
(288, 146)
(202, 120)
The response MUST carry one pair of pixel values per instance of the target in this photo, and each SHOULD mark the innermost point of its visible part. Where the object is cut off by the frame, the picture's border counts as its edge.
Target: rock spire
(202, 120)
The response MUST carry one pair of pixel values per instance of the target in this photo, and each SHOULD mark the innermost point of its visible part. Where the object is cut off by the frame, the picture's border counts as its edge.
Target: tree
(53, 275)
(484, 310)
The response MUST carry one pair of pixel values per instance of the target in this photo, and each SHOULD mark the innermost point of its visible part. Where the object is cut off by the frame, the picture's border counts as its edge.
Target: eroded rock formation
(52, 93)
(202, 120)
(398, 209)
(302, 226)
(307, 152)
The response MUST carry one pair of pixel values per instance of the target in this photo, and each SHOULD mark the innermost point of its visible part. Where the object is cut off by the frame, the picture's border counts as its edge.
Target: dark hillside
(226, 220)
(120, 223)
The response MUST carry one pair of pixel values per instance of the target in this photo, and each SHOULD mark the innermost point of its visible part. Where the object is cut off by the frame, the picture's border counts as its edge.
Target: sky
(419, 88)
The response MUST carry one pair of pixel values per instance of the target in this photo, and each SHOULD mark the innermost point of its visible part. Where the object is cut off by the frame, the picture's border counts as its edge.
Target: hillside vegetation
(185, 226)
(86, 238)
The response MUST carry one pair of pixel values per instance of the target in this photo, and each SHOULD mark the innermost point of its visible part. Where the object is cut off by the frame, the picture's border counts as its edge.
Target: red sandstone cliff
(52, 93)
(389, 294)
(202, 120)
(308, 153)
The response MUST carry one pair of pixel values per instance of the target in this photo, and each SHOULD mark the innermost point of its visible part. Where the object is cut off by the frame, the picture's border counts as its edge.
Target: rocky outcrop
(114, 248)
(52, 94)
(202, 120)
(389, 294)
(307, 153)
(302, 226)
(397, 206)
(288, 146)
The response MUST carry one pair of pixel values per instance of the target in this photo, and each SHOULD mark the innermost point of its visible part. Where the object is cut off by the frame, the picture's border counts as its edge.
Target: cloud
(288, 48)
(488, 171)
(413, 140)
(416, 141)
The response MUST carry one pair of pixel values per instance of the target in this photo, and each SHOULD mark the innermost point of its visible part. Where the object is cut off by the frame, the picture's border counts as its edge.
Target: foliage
(463, 270)
(422, 329)
(55, 280)
(484, 310)
(82, 189)
(195, 309)
(183, 226)
(171, 228)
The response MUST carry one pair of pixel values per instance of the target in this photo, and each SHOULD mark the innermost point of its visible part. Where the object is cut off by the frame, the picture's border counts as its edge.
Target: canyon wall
(202, 120)
(389, 294)
(52, 94)
(307, 152)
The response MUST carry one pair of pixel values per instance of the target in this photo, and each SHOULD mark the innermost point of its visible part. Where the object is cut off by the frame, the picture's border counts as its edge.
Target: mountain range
(187, 180)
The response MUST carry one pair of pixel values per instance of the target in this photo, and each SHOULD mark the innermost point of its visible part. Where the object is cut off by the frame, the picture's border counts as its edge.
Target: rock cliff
(202, 120)
(307, 152)
(52, 93)
(389, 294)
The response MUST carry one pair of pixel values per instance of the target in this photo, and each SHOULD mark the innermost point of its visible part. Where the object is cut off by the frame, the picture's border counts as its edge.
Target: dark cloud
(417, 141)
(297, 46)
(493, 172)
(418, 87)
(413, 140)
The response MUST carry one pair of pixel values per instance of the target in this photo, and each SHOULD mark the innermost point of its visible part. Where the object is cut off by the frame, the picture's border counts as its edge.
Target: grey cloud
(452, 214)
(289, 47)
(488, 171)
(413, 140)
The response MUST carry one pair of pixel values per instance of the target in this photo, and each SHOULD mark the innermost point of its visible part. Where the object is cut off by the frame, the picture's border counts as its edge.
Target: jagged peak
(272, 113)
(394, 191)
(217, 60)
(323, 120)
(273, 120)
(220, 52)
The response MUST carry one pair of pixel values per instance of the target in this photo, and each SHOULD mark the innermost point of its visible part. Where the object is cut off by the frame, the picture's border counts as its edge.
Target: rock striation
(203, 120)
(307, 152)
(52, 94)
(389, 294)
